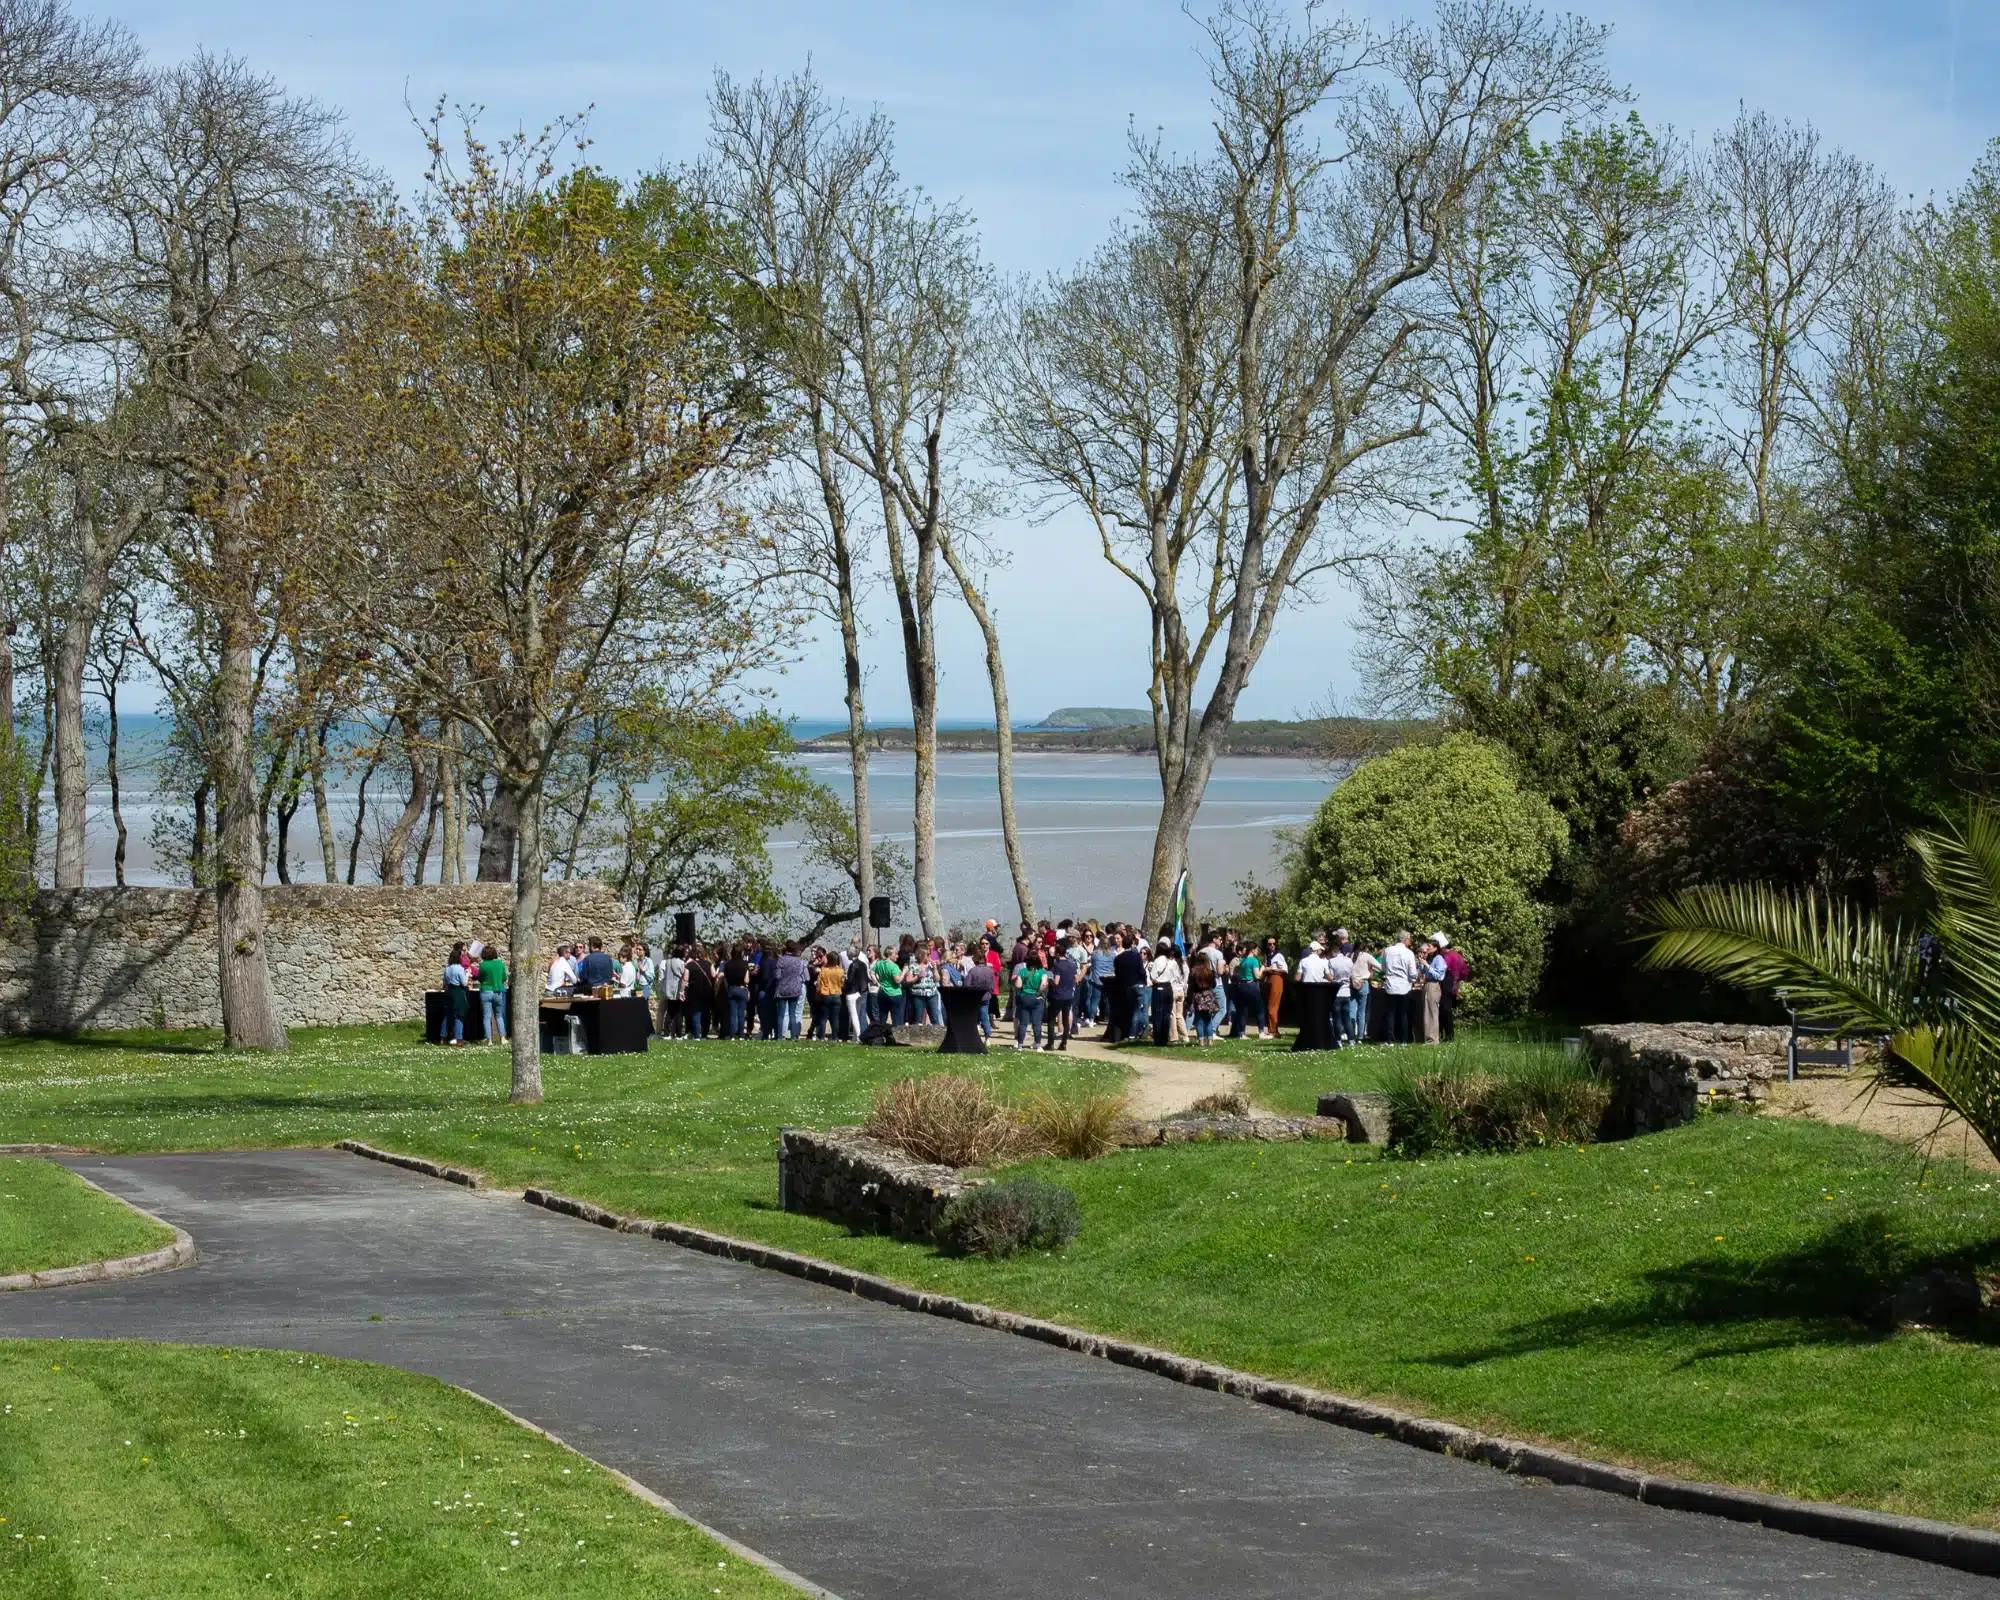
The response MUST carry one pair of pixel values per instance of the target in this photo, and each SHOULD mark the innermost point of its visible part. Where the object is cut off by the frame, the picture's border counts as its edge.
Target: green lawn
(167, 1470)
(1291, 1083)
(1703, 1301)
(49, 1217)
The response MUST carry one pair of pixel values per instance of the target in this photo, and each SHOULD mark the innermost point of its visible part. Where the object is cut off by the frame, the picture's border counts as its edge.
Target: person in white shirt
(1340, 973)
(1312, 965)
(1402, 978)
(562, 971)
(672, 978)
(1365, 968)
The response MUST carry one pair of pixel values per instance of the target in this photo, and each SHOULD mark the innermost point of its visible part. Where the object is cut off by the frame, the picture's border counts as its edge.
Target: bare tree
(534, 422)
(64, 83)
(209, 268)
(1003, 727)
(1795, 223)
(1225, 388)
(878, 306)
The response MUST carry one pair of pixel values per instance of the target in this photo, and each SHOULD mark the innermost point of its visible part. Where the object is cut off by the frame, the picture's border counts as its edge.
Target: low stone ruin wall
(130, 958)
(843, 1174)
(1661, 1072)
(1224, 1129)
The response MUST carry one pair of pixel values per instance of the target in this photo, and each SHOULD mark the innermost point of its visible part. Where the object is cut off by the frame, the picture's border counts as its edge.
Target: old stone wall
(1660, 1072)
(844, 1174)
(128, 958)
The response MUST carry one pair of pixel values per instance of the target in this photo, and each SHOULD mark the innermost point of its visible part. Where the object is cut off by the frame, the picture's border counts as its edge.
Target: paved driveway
(878, 1452)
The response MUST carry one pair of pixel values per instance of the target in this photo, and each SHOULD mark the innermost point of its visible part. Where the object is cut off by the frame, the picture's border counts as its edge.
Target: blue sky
(1021, 110)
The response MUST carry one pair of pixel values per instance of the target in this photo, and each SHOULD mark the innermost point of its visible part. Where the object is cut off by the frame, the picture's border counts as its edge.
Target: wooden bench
(1797, 1054)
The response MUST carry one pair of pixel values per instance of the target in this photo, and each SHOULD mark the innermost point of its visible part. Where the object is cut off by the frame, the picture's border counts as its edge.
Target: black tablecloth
(610, 1027)
(1315, 1015)
(437, 1014)
(961, 1023)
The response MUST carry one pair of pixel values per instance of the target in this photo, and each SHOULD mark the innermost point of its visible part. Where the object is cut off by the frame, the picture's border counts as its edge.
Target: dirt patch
(1907, 1115)
(1162, 1085)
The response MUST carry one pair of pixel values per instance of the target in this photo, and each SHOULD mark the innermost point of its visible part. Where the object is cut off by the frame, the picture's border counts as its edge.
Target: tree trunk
(1003, 736)
(497, 839)
(397, 845)
(249, 1013)
(198, 873)
(111, 777)
(98, 548)
(72, 774)
(360, 817)
(452, 866)
(524, 957)
(329, 846)
(857, 754)
(431, 826)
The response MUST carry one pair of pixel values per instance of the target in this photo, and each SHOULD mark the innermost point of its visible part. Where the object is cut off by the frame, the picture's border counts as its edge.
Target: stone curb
(634, 1487)
(430, 1169)
(181, 1253)
(1943, 1543)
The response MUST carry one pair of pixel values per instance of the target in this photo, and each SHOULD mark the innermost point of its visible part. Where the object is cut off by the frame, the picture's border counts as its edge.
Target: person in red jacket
(1455, 970)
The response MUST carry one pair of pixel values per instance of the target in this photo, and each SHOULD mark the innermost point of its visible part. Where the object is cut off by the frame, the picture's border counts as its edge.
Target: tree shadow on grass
(147, 1044)
(250, 1105)
(1833, 1290)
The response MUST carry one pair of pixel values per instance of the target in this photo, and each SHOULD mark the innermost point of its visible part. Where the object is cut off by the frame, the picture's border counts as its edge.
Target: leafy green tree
(1429, 836)
(1892, 715)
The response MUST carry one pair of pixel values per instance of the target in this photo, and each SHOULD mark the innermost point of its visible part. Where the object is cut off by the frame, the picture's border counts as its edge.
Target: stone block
(844, 1174)
(1365, 1114)
(1660, 1072)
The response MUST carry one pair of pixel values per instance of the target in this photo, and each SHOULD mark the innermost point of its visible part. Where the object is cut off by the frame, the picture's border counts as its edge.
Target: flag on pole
(1180, 910)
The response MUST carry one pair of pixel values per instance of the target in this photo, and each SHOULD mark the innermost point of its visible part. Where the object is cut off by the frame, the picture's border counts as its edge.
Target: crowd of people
(1047, 983)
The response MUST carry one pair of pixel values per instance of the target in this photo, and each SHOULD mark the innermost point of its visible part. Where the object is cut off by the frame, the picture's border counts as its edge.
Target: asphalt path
(878, 1452)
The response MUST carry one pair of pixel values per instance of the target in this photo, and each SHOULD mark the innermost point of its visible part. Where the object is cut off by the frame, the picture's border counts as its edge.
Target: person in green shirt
(1246, 999)
(493, 995)
(889, 975)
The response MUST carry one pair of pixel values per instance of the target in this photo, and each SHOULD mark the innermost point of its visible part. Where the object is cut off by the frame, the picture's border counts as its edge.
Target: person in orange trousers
(1275, 968)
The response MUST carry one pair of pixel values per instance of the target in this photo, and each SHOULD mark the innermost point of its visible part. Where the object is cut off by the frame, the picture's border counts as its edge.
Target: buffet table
(961, 1022)
(612, 1027)
(1316, 1029)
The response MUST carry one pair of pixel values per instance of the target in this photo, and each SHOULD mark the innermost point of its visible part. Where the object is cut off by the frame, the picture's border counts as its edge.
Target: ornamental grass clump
(1543, 1098)
(1073, 1127)
(1003, 1219)
(946, 1118)
(1228, 1103)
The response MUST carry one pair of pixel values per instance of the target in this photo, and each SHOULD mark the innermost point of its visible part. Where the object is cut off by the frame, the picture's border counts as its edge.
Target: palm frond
(1839, 966)
(1961, 863)
(1958, 1062)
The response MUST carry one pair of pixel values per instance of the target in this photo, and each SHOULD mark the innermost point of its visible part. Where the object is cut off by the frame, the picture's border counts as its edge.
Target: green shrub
(1433, 836)
(1440, 1105)
(1002, 1219)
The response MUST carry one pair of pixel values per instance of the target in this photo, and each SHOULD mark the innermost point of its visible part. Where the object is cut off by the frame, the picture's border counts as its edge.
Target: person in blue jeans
(736, 986)
(493, 995)
(456, 998)
(788, 988)
(1031, 983)
(1063, 985)
(979, 979)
